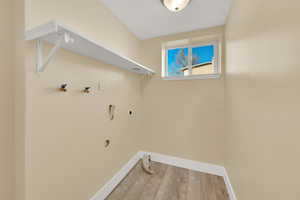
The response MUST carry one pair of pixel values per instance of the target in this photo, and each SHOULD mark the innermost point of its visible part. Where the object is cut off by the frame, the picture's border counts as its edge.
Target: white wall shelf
(66, 38)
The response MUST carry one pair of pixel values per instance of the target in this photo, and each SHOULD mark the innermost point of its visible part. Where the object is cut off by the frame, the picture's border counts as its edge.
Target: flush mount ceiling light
(175, 5)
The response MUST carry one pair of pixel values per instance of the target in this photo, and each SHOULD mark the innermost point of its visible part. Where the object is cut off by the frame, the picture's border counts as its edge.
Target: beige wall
(90, 18)
(12, 100)
(6, 102)
(182, 118)
(19, 97)
(262, 99)
(65, 154)
(66, 157)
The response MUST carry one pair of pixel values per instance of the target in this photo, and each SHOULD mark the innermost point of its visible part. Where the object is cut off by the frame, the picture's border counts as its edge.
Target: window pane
(177, 62)
(203, 60)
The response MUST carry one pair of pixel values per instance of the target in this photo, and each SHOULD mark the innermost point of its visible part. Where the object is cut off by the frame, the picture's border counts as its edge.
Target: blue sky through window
(203, 54)
(178, 58)
(174, 65)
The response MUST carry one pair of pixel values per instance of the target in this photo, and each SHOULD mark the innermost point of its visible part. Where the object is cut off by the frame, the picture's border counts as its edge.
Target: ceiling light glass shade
(175, 5)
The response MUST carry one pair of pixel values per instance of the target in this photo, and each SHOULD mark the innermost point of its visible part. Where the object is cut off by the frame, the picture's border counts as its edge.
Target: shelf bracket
(41, 62)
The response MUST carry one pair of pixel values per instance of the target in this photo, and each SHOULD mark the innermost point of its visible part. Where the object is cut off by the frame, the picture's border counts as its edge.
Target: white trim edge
(192, 77)
(169, 160)
(187, 164)
(229, 186)
(195, 166)
(117, 178)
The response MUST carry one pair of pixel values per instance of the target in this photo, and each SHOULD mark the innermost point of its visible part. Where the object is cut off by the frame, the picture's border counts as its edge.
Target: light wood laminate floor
(169, 183)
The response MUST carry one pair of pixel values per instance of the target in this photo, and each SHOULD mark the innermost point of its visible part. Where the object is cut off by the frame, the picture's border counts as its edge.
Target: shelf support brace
(41, 63)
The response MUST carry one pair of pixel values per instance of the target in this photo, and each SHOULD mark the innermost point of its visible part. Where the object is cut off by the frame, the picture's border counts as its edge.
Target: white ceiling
(149, 18)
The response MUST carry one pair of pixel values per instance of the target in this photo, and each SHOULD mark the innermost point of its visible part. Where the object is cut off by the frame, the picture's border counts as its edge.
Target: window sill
(193, 77)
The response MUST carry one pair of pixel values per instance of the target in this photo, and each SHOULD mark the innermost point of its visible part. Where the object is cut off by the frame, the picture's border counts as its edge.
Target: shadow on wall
(261, 99)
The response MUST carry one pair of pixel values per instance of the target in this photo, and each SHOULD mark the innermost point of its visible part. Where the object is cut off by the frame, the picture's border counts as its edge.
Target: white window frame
(217, 61)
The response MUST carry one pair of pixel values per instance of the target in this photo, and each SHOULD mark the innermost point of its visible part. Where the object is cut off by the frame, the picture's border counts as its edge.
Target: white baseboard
(229, 186)
(170, 160)
(117, 178)
(187, 164)
(195, 166)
